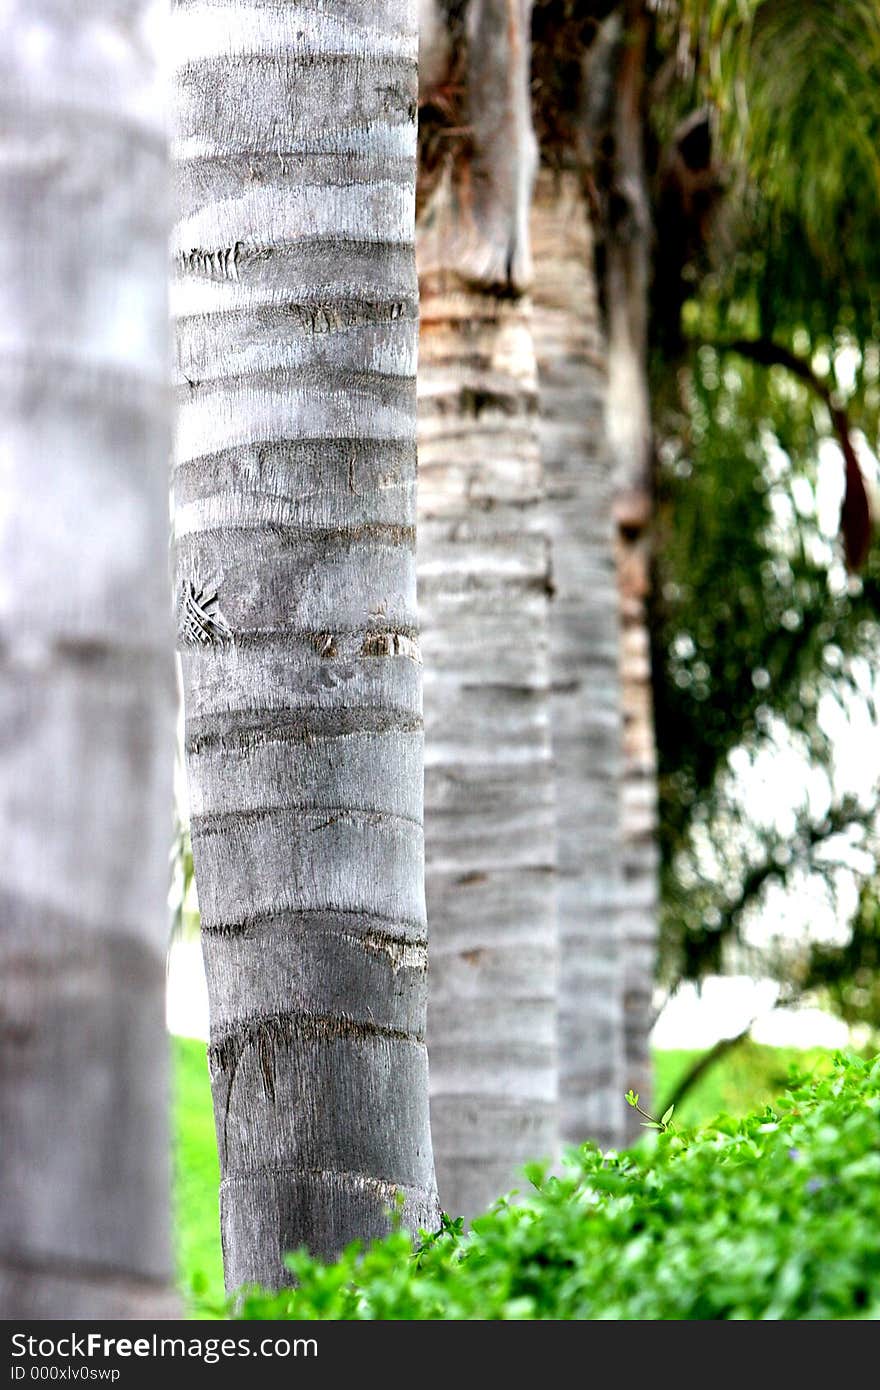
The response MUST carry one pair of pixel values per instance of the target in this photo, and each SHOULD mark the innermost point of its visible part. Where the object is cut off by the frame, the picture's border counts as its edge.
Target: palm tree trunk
(86, 680)
(483, 583)
(490, 851)
(296, 306)
(585, 644)
(628, 252)
(641, 858)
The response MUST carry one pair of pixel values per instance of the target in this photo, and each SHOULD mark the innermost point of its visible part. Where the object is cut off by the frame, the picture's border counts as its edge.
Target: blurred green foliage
(747, 1078)
(756, 625)
(849, 974)
(182, 897)
(794, 86)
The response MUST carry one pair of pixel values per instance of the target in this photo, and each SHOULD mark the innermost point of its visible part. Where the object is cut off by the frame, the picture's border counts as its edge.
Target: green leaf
(536, 1174)
(667, 1115)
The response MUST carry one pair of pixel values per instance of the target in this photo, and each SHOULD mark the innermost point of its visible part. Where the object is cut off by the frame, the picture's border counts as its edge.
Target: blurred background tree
(763, 642)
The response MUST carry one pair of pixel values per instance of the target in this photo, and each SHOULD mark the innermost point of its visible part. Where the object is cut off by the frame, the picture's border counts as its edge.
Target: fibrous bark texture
(475, 58)
(296, 306)
(627, 272)
(86, 680)
(641, 858)
(585, 709)
(484, 584)
(483, 576)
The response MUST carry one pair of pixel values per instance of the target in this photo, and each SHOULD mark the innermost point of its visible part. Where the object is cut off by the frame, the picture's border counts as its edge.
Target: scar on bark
(224, 1056)
(472, 957)
(219, 264)
(200, 622)
(325, 644)
(267, 1035)
(391, 644)
(224, 1060)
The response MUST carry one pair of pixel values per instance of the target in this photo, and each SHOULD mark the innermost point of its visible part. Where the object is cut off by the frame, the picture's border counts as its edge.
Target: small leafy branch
(649, 1122)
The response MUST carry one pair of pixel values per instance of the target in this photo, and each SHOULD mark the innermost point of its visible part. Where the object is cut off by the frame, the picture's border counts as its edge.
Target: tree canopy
(759, 631)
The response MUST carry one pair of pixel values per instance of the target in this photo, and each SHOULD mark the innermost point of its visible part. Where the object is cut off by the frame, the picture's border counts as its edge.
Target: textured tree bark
(641, 864)
(585, 708)
(627, 276)
(296, 305)
(86, 680)
(627, 270)
(484, 581)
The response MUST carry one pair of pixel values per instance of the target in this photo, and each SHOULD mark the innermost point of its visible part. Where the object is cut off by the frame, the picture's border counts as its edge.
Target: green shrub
(772, 1216)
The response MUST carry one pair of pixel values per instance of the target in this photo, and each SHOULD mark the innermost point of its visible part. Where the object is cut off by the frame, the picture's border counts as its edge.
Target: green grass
(743, 1081)
(196, 1173)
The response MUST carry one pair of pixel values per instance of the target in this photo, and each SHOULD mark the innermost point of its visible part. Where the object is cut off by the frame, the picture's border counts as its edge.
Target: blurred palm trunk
(585, 645)
(296, 307)
(628, 234)
(86, 679)
(641, 866)
(483, 584)
(483, 579)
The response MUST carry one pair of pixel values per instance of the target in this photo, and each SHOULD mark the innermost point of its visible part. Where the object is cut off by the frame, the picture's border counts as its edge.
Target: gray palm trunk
(295, 298)
(585, 645)
(483, 583)
(86, 680)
